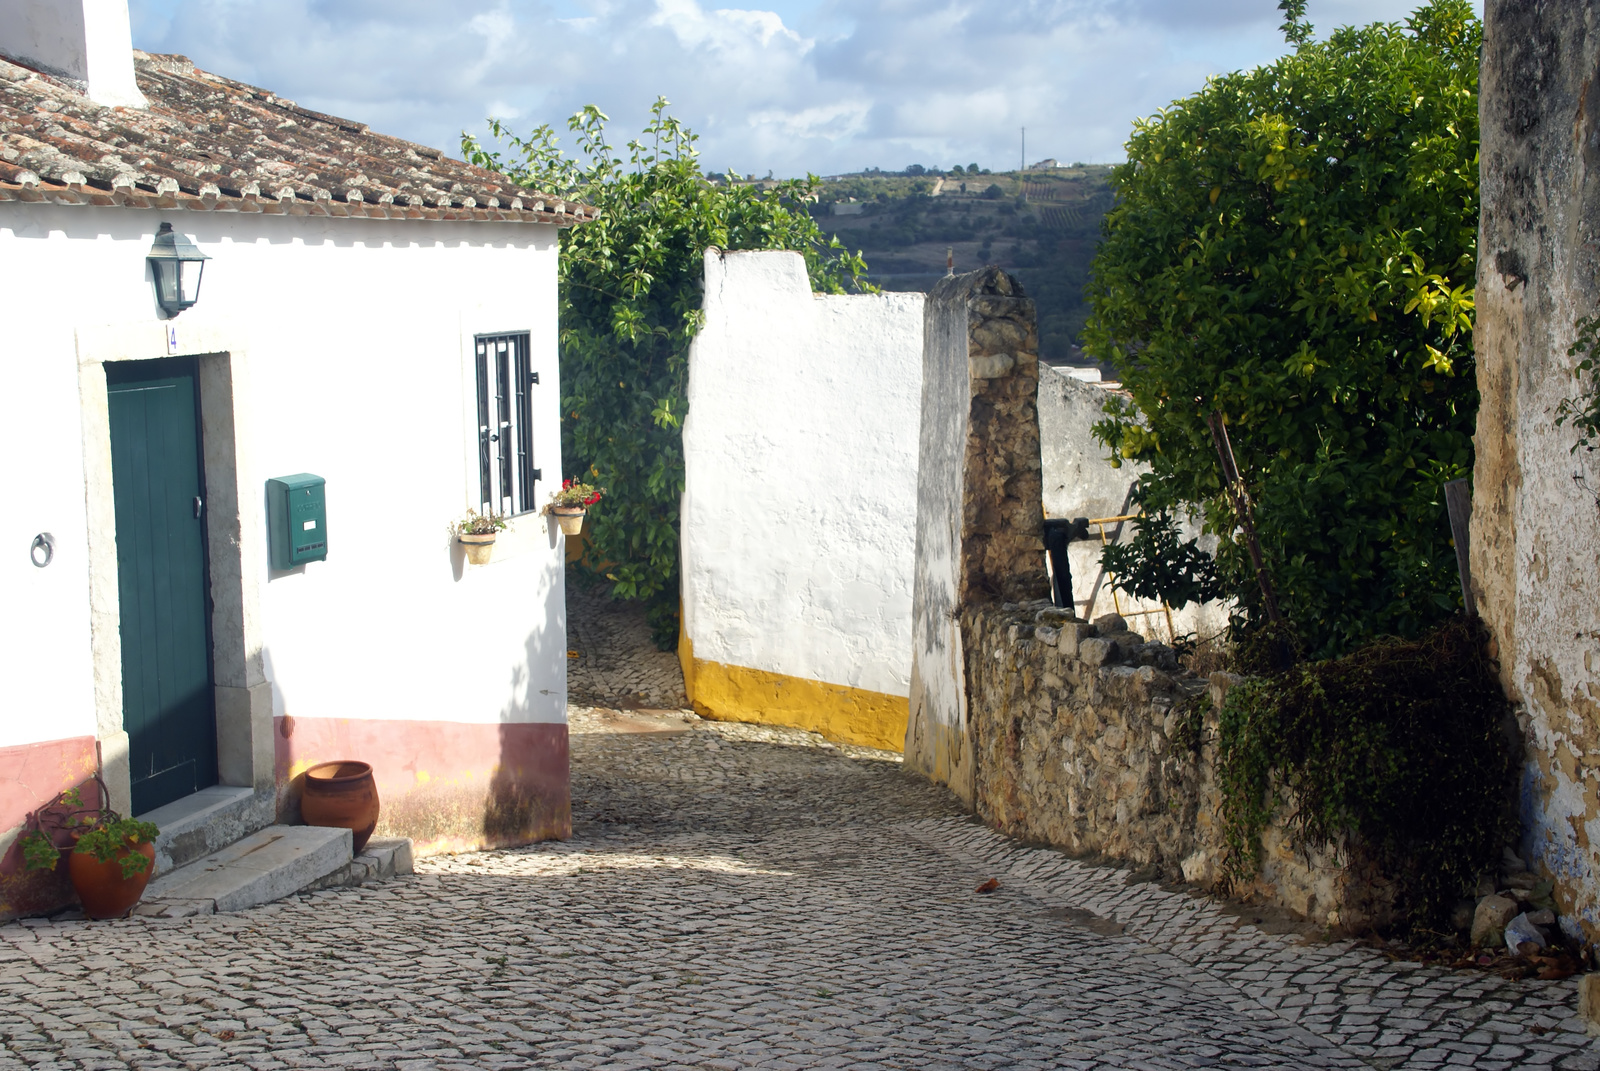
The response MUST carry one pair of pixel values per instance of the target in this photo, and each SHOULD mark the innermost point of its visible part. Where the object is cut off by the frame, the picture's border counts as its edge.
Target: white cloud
(786, 85)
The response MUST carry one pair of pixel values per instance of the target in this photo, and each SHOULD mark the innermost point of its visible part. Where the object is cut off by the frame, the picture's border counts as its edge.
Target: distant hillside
(1040, 225)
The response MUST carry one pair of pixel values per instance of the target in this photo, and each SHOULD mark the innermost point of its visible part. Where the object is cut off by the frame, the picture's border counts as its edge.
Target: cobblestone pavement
(745, 896)
(611, 659)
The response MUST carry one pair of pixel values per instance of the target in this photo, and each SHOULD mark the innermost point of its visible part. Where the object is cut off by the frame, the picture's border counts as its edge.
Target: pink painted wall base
(448, 786)
(31, 775)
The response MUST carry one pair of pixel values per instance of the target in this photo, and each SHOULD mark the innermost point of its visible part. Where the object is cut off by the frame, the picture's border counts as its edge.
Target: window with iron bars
(506, 379)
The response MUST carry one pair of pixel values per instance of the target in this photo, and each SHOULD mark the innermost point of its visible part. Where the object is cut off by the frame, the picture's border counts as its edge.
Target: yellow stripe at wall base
(840, 713)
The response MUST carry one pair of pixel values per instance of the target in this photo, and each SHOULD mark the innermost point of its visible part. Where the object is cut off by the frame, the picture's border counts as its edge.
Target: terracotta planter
(342, 794)
(570, 518)
(105, 893)
(478, 547)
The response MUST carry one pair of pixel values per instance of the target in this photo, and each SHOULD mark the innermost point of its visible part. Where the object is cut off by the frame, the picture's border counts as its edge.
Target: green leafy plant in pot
(476, 533)
(111, 858)
(571, 504)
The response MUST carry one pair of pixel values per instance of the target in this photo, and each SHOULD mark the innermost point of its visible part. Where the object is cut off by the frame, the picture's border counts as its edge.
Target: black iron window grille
(506, 379)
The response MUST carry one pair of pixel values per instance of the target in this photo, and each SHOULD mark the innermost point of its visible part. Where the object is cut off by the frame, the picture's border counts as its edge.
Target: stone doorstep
(268, 865)
(206, 822)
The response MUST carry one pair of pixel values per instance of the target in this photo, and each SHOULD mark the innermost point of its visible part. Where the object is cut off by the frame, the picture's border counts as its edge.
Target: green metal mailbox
(297, 519)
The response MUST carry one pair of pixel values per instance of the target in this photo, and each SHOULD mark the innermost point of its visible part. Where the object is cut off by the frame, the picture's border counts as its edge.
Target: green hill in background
(1042, 225)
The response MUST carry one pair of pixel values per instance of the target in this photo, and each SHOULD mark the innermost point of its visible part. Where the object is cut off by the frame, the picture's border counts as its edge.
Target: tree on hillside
(630, 305)
(1294, 249)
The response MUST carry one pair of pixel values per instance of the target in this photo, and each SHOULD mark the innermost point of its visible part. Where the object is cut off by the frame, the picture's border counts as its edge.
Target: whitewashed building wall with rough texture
(1536, 515)
(799, 513)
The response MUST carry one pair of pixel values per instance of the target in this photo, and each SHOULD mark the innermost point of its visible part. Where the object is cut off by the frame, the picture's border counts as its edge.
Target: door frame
(243, 697)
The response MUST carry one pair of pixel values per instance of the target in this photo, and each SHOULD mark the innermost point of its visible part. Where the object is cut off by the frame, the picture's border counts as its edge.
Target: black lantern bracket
(176, 264)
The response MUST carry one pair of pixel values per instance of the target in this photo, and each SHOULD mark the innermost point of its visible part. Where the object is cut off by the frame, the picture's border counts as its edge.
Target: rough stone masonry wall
(1053, 729)
(979, 430)
(1088, 738)
(1536, 520)
(1002, 528)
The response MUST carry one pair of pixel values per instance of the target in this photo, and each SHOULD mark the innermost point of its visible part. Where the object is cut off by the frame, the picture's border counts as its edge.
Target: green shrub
(1295, 247)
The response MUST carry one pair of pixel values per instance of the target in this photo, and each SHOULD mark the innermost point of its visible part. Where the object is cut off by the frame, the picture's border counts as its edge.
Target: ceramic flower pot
(101, 887)
(570, 518)
(478, 547)
(342, 794)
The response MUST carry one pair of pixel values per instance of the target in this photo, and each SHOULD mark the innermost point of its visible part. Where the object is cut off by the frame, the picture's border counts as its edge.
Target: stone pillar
(1536, 522)
(980, 513)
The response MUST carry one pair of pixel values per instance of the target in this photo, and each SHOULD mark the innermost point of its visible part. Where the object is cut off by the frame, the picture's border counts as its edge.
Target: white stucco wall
(88, 41)
(936, 734)
(800, 453)
(352, 355)
(1079, 481)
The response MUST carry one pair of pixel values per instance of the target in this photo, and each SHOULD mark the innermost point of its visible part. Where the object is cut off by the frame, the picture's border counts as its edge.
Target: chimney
(87, 43)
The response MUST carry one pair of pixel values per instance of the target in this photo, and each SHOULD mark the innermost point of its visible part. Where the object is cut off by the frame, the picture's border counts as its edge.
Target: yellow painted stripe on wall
(840, 713)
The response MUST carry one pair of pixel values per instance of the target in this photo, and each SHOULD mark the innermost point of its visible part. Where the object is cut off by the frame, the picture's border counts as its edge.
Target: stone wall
(1535, 524)
(980, 429)
(1054, 730)
(1088, 738)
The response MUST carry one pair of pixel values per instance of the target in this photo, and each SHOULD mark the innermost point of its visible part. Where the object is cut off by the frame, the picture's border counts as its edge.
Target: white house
(373, 314)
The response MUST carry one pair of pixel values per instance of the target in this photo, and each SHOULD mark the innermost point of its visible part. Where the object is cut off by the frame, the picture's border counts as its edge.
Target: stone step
(268, 865)
(206, 822)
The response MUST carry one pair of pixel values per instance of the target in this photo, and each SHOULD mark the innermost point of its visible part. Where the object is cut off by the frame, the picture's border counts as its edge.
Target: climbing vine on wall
(1400, 751)
(631, 304)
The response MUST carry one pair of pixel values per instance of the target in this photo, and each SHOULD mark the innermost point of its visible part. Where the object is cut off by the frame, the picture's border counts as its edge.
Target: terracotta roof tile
(210, 143)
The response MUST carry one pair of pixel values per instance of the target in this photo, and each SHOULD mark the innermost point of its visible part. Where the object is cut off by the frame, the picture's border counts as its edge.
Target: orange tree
(630, 293)
(1294, 248)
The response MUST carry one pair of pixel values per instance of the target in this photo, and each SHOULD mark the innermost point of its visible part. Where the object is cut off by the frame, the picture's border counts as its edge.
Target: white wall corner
(87, 43)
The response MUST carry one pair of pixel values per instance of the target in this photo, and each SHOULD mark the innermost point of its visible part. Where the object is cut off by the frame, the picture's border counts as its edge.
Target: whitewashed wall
(800, 451)
(1079, 481)
(352, 343)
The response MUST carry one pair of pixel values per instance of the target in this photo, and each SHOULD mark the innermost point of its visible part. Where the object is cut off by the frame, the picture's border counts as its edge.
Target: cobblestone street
(610, 659)
(740, 896)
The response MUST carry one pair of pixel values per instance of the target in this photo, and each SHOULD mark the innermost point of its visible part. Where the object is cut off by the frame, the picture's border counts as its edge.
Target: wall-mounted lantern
(177, 265)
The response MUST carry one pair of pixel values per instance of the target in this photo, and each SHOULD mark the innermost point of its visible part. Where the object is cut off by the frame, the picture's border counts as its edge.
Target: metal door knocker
(43, 551)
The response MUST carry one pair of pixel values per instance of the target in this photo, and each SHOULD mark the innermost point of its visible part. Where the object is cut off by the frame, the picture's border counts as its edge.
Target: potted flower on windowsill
(571, 504)
(112, 857)
(476, 533)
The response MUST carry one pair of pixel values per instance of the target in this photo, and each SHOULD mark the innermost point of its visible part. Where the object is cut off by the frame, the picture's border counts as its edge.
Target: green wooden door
(168, 708)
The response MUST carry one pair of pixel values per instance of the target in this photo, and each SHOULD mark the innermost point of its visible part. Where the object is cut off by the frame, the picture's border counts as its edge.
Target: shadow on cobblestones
(726, 778)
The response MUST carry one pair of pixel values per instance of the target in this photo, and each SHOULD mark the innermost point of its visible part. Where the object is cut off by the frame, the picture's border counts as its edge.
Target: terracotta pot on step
(105, 893)
(570, 518)
(342, 794)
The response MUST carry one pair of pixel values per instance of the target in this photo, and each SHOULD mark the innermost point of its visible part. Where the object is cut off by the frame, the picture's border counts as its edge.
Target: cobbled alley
(739, 896)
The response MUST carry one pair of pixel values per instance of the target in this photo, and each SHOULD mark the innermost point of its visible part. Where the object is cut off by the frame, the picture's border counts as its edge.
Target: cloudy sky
(784, 85)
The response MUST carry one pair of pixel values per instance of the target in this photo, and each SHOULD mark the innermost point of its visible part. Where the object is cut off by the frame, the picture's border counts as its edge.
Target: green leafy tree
(1294, 248)
(630, 293)
(1160, 565)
